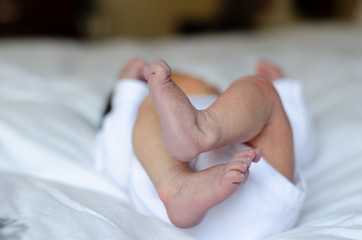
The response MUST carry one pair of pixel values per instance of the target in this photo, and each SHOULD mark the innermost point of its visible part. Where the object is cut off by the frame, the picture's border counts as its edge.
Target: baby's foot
(268, 70)
(188, 195)
(134, 69)
(181, 122)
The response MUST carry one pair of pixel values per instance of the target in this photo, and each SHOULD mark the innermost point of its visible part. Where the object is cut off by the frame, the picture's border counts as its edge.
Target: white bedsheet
(51, 97)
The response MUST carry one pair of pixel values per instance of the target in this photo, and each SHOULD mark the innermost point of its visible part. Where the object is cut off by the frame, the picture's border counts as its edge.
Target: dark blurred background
(145, 18)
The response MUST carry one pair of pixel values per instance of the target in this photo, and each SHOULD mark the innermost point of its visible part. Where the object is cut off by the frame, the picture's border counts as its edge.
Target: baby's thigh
(276, 141)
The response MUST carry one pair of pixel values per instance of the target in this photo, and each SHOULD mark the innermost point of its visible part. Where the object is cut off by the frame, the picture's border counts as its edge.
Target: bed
(53, 93)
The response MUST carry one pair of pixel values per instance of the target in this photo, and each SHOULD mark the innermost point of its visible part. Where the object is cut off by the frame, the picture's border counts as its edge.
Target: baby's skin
(186, 194)
(238, 115)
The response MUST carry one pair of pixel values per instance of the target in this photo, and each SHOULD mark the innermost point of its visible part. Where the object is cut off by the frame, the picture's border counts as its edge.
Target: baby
(170, 134)
(250, 111)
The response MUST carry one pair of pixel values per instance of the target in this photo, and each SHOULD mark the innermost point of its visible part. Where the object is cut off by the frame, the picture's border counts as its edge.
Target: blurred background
(98, 19)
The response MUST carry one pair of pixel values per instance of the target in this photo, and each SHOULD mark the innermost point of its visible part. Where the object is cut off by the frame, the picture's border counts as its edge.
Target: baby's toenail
(248, 158)
(242, 180)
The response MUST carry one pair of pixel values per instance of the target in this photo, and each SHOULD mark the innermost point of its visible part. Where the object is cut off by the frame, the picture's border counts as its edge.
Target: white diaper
(266, 205)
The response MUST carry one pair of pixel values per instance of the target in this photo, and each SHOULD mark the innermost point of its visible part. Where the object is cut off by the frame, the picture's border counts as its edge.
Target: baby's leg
(249, 111)
(187, 195)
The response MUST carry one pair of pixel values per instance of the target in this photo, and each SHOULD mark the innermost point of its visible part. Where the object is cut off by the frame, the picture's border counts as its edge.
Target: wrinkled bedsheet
(52, 94)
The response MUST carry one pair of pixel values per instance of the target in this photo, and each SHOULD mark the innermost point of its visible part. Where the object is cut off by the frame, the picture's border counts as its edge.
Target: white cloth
(266, 205)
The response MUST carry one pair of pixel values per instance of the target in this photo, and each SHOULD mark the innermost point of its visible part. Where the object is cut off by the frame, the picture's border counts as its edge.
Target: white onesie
(265, 205)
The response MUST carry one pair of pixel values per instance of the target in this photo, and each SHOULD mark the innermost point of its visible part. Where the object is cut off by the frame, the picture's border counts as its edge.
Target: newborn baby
(204, 156)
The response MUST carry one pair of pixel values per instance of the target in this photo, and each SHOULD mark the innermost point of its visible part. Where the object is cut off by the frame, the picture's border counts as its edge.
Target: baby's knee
(260, 85)
(259, 81)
